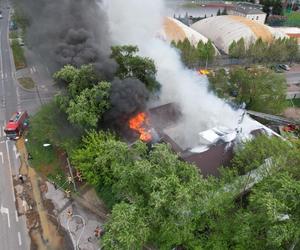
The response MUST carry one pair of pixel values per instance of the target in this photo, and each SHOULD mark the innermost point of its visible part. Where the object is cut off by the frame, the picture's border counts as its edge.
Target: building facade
(249, 12)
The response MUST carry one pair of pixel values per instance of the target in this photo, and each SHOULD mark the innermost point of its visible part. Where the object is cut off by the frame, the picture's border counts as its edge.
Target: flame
(140, 123)
(203, 72)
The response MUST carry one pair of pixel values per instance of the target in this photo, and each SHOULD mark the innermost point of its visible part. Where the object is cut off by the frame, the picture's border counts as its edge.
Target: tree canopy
(237, 49)
(260, 89)
(87, 108)
(132, 65)
(164, 202)
(279, 50)
(87, 97)
(192, 55)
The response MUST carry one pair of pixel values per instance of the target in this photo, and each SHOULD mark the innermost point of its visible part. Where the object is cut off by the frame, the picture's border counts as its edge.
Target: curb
(28, 90)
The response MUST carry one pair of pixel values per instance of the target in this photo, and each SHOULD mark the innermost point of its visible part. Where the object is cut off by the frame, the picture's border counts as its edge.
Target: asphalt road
(13, 230)
(292, 77)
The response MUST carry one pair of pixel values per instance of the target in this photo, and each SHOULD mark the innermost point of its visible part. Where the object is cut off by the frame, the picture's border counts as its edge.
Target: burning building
(209, 150)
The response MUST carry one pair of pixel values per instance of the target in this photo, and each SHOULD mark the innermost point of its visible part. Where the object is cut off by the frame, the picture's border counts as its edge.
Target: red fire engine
(16, 125)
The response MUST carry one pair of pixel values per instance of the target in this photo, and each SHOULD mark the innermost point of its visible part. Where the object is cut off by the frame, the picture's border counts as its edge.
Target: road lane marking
(16, 152)
(5, 210)
(1, 154)
(9, 163)
(17, 217)
(19, 238)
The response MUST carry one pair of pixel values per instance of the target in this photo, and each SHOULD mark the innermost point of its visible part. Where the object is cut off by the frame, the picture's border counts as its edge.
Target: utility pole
(71, 173)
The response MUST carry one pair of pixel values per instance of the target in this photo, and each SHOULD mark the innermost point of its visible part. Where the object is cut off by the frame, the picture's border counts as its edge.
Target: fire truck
(16, 125)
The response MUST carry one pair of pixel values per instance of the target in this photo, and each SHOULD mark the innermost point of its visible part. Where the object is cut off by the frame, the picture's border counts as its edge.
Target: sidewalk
(82, 223)
(46, 209)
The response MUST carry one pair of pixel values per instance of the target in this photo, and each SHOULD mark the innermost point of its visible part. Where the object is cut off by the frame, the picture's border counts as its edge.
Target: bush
(18, 54)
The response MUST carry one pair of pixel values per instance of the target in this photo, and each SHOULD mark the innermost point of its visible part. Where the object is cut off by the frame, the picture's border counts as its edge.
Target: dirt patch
(44, 232)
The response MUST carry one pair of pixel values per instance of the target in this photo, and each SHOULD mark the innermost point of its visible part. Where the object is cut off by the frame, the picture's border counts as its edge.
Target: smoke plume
(69, 32)
(128, 97)
(137, 22)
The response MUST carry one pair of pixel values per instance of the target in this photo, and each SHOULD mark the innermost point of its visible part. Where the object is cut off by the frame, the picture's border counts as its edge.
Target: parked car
(277, 69)
(284, 67)
(1, 16)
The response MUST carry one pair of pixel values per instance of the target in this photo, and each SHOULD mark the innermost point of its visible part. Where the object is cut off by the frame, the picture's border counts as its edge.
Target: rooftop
(208, 149)
(247, 10)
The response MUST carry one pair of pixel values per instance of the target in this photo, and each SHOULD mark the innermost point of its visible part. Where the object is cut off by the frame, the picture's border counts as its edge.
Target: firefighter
(70, 179)
(97, 232)
(68, 193)
(69, 213)
(21, 178)
(78, 175)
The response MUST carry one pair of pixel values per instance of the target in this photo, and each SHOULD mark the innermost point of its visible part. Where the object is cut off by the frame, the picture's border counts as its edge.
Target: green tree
(278, 206)
(166, 188)
(292, 48)
(205, 51)
(277, 51)
(255, 152)
(86, 99)
(132, 65)
(99, 153)
(237, 49)
(219, 83)
(209, 51)
(127, 228)
(260, 89)
(188, 53)
(87, 108)
(257, 51)
(77, 79)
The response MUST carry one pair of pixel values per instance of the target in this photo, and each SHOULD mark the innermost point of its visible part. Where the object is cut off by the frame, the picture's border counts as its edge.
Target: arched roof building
(223, 30)
(174, 30)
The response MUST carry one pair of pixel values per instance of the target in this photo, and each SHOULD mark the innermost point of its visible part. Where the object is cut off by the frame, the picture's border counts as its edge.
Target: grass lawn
(26, 82)
(294, 103)
(50, 126)
(293, 18)
(13, 34)
(18, 54)
(46, 162)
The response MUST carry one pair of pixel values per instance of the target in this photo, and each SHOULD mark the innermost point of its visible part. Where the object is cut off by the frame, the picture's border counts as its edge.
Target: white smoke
(137, 22)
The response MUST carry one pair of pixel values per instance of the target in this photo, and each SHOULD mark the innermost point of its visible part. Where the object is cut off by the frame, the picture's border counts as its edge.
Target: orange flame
(140, 123)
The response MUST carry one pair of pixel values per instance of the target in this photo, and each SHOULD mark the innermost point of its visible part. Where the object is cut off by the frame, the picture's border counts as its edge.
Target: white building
(248, 12)
(223, 30)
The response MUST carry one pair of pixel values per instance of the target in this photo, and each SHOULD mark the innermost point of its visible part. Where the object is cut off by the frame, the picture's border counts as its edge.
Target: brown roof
(211, 160)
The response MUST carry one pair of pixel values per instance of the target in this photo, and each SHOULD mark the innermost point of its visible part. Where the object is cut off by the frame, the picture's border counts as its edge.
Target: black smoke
(77, 32)
(128, 97)
(69, 32)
